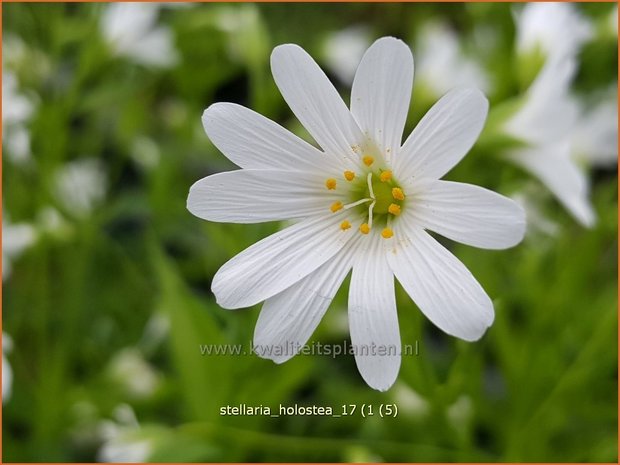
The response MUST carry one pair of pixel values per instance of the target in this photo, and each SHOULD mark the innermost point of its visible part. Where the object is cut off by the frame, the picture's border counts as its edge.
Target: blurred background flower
(108, 296)
(344, 49)
(16, 111)
(442, 64)
(550, 29)
(554, 126)
(131, 30)
(80, 185)
(15, 239)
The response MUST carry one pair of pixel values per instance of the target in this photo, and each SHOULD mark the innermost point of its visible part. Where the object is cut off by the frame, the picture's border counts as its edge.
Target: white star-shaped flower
(362, 203)
(559, 134)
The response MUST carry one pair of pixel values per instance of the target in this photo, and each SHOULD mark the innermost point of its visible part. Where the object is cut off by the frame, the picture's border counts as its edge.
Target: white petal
(278, 261)
(373, 320)
(250, 140)
(548, 112)
(255, 196)
(441, 286)
(468, 214)
(556, 170)
(315, 102)
(288, 319)
(444, 135)
(381, 92)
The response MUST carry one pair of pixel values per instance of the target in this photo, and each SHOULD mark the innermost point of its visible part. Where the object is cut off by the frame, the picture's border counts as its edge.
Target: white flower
(363, 203)
(344, 49)
(17, 140)
(131, 30)
(80, 185)
(126, 447)
(558, 133)
(15, 239)
(442, 64)
(14, 51)
(133, 373)
(547, 121)
(7, 371)
(555, 28)
(124, 440)
(17, 109)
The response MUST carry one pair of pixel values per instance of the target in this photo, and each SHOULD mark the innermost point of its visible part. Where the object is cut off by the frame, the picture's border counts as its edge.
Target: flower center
(374, 195)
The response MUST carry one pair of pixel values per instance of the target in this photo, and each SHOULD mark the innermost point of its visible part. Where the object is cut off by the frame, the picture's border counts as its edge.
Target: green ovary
(383, 196)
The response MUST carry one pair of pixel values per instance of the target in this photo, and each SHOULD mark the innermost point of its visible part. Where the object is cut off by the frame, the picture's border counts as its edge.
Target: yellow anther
(349, 175)
(387, 233)
(398, 193)
(345, 225)
(394, 209)
(330, 184)
(385, 175)
(368, 160)
(336, 206)
(364, 228)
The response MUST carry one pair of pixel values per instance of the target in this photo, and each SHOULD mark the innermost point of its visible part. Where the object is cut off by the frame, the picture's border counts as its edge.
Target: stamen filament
(370, 189)
(372, 205)
(355, 204)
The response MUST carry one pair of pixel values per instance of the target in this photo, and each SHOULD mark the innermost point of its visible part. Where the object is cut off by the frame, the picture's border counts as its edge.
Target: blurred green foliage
(540, 386)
